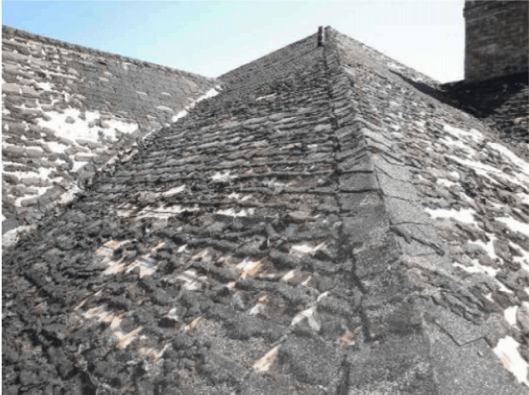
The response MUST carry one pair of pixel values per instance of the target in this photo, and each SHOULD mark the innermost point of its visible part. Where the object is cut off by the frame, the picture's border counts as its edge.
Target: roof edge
(97, 52)
(313, 36)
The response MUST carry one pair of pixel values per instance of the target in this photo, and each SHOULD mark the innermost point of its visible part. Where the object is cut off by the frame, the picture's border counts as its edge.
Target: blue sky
(213, 37)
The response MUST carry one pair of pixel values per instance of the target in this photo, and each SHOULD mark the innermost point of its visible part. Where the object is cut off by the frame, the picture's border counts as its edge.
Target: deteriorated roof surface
(321, 226)
(503, 103)
(67, 110)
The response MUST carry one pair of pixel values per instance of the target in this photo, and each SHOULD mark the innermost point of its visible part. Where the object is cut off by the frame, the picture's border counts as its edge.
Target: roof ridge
(276, 240)
(77, 47)
(388, 252)
(389, 319)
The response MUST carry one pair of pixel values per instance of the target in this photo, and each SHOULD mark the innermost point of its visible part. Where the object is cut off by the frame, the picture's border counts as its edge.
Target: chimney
(321, 36)
(496, 39)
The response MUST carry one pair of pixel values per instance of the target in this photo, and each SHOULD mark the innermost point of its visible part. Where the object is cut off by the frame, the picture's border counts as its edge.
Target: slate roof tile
(52, 94)
(362, 244)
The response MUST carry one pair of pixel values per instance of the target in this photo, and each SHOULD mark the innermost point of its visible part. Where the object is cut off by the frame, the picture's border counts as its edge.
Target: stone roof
(67, 110)
(326, 224)
(502, 102)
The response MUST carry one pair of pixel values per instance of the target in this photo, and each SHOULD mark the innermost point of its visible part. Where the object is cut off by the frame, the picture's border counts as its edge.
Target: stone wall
(497, 38)
(67, 110)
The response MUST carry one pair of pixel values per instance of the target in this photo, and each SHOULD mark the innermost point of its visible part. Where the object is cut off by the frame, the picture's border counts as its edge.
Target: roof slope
(502, 102)
(321, 226)
(67, 110)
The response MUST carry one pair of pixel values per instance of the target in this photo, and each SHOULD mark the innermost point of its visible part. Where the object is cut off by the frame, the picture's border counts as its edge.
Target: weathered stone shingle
(321, 226)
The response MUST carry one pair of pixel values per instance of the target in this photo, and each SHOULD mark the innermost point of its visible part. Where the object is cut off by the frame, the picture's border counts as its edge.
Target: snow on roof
(253, 247)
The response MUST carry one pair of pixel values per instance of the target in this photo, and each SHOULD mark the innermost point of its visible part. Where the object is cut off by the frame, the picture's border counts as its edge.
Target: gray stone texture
(275, 240)
(38, 70)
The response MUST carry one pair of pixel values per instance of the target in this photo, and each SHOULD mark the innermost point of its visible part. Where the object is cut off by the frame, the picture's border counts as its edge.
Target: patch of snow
(163, 212)
(173, 191)
(459, 138)
(182, 248)
(459, 134)
(394, 66)
(44, 172)
(45, 86)
(173, 315)
(190, 279)
(485, 170)
(146, 264)
(19, 174)
(203, 254)
(237, 196)
(60, 74)
(489, 247)
(209, 94)
(510, 315)
(78, 164)
(445, 183)
(306, 248)
(307, 314)
(455, 175)
(123, 127)
(273, 183)
(524, 259)
(463, 215)
(478, 268)
(306, 282)
(179, 115)
(80, 129)
(524, 197)
(289, 276)
(323, 295)
(69, 196)
(220, 177)
(507, 351)
(56, 146)
(151, 353)
(10, 238)
(517, 161)
(231, 212)
(514, 225)
(260, 306)
(503, 288)
(114, 267)
(266, 97)
(165, 108)
(248, 268)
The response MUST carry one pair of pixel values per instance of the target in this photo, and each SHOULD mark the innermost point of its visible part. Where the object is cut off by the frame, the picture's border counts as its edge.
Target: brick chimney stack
(497, 39)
